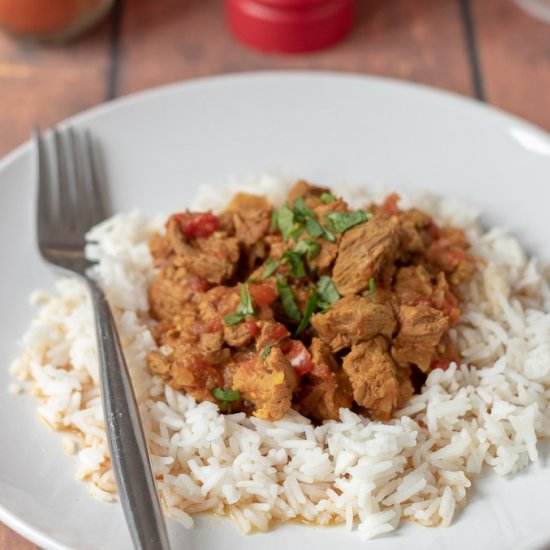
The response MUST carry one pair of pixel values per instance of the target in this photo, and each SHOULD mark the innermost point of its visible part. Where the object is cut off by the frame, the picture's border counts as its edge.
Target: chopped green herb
(309, 248)
(323, 306)
(270, 267)
(302, 211)
(274, 220)
(341, 221)
(226, 394)
(305, 215)
(297, 268)
(327, 198)
(287, 299)
(327, 290)
(314, 228)
(243, 309)
(297, 231)
(267, 351)
(372, 285)
(251, 280)
(302, 246)
(329, 236)
(311, 306)
(285, 221)
(233, 319)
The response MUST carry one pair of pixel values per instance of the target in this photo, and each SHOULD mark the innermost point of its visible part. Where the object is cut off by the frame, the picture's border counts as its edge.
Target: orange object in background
(58, 20)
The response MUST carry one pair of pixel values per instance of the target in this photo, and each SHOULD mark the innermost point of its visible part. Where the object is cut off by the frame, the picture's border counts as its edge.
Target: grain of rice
(15, 389)
(182, 517)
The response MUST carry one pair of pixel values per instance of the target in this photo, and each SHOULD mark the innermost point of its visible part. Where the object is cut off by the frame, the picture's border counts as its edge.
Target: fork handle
(128, 449)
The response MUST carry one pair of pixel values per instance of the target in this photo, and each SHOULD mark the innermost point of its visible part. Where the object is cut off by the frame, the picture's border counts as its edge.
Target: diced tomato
(440, 364)
(460, 255)
(390, 204)
(263, 294)
(197, 225)
(252, 327)
(299, 357)
(198, 284)
(274, 334)
(451, 311)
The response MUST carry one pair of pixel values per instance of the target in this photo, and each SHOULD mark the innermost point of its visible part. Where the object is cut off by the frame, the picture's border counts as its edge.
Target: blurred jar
(51, 20)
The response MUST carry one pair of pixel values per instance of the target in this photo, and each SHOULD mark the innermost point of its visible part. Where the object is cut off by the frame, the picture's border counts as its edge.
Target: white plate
(158, 146)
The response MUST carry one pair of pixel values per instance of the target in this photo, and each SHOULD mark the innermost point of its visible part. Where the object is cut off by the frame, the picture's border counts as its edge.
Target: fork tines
(70, 197)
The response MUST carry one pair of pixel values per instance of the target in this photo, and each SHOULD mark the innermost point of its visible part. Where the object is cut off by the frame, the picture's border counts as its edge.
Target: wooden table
(488, 49)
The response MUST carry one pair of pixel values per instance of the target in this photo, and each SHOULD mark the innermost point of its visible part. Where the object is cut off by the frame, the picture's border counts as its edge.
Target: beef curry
(312, 305)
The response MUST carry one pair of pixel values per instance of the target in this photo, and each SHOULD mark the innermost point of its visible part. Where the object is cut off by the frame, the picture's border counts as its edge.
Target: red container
(290, 26)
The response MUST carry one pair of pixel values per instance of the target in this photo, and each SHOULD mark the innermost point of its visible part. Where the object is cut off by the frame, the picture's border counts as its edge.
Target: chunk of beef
(158, 363)
(353, 319)
(268, 383)
(420, 330)
(277, 247)
(304, 189)
(217, 303)
(364, 250)
(321, 209)
(412, 222)
(236, 360)
(240, 334)
(226, 223)
(189, 372)
(187, 329)
(327, 256)
(328, 388)
(373, 377)
(271, 334)
(170, 294)
(213, 258)
(413, 285)
(406, 388)
(160, 249)
(251, 218)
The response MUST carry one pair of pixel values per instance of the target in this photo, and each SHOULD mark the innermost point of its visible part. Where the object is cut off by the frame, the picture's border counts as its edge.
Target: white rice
(488, 412)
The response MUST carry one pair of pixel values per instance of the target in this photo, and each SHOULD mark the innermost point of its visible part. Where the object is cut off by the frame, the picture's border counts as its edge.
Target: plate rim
(151, 93)
(35, 535)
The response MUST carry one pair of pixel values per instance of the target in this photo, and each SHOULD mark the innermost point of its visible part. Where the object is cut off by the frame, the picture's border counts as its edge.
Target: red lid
(290, 25)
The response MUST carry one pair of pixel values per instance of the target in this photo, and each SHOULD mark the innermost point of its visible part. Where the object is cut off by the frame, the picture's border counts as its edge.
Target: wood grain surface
(399, 38)
(488, 49)
(43, 85)
(514, 53)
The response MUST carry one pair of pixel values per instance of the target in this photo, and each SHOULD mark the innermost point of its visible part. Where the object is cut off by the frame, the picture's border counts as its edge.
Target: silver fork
(69, 204)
